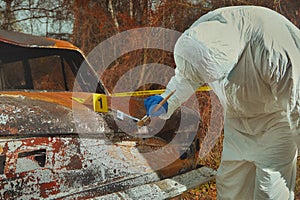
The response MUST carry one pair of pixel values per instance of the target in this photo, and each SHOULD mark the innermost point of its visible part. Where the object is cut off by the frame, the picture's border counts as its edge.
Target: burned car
(54, 145)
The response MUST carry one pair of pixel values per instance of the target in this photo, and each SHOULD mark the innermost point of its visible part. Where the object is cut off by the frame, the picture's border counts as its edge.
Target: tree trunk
(8, 15)
(131, 9)
(113, 14)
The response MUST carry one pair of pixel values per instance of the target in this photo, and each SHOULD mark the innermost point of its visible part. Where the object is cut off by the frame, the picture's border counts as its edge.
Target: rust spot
(75, 163)
(48, 189)
(8, 194)
(2, 163)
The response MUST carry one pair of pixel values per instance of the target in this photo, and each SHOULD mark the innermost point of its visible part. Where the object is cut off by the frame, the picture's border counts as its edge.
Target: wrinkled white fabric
(184, 89)
(256, 39)
(250, 56)
(258, 160)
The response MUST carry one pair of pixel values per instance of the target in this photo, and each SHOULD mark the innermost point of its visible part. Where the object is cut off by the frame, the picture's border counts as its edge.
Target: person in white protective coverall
(250, 56)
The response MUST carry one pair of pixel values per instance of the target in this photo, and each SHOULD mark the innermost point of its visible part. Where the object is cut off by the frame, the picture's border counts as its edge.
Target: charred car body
(50, 148)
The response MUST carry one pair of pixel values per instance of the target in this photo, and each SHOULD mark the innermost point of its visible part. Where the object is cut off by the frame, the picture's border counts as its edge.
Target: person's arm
(195, 65)
(184, 89)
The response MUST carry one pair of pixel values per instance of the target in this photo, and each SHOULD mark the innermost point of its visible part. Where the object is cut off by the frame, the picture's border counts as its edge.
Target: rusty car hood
(34, 112)
(39, 113)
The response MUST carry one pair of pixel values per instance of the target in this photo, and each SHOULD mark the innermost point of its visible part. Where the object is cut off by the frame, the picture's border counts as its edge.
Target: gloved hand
(151, 102)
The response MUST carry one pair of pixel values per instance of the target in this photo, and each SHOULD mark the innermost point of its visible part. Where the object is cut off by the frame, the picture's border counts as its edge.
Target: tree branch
(37, 9)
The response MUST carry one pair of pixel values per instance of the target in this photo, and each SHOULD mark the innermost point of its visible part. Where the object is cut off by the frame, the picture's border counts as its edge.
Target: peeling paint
(29, 116)
(72, 168)
(3, 119)
(48, 159)
(14, 145)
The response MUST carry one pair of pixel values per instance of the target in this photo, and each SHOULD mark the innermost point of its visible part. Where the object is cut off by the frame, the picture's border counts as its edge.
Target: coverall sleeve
(184, 89)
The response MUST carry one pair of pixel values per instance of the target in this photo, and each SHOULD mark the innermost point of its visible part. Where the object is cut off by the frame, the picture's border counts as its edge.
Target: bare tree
(37, 16)
(113, 14)
(95, 21)
(8, 16)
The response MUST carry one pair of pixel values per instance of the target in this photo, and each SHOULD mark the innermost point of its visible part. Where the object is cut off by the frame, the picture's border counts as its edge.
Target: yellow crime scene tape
(100, 104)
(153, 92)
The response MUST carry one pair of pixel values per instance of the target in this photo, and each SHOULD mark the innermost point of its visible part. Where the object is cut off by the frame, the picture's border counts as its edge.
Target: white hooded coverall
(250, 56)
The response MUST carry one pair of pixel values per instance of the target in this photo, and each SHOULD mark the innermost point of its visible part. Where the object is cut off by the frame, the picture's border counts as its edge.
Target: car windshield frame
(73, 59)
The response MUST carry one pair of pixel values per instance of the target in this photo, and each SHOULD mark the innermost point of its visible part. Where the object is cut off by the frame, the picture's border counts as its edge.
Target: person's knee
(235, 180)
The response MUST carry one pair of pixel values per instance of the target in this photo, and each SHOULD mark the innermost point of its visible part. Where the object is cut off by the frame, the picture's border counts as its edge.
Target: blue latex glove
(151, 102)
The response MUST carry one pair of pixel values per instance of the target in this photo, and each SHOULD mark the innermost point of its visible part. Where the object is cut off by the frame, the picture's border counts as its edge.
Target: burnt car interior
(26, 68)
